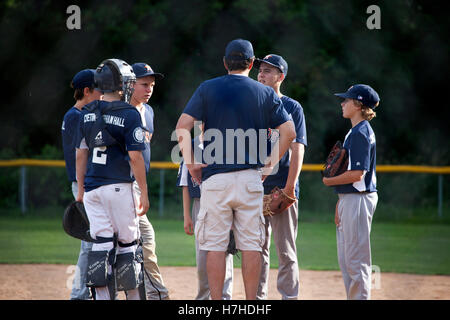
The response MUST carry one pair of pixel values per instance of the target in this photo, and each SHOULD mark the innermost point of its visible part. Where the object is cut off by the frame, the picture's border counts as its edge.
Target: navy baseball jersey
(361, 146)
(147, 117)
(295, 111)
(184, 178)
(69, 130)
(230, 105)
(110, 164)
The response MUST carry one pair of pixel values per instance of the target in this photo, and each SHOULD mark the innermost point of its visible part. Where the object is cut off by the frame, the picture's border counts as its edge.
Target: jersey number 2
(99, 155)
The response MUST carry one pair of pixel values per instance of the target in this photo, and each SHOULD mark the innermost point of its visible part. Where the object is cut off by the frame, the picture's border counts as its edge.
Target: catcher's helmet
(115, 75)
(76, 222)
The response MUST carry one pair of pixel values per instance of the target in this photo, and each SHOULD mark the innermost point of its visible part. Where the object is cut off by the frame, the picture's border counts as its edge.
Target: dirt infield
(52, 282)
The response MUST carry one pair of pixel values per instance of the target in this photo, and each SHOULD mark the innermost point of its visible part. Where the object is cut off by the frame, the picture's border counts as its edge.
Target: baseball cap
(362, 92)
(239, 49)
(142, 69)
(274, 60)
(83, 79)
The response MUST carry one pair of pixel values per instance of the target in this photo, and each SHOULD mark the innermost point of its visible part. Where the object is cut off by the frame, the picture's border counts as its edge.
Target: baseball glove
(337, 161)
(276, 202)
(76, 222)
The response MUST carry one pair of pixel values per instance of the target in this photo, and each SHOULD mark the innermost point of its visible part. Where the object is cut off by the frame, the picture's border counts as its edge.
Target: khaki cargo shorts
(231, 200)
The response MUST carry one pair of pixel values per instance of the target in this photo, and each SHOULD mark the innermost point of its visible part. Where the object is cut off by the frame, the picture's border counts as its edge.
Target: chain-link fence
(406, 193)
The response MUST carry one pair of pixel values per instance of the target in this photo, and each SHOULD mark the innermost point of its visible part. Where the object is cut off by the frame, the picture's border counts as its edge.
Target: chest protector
(97, 135)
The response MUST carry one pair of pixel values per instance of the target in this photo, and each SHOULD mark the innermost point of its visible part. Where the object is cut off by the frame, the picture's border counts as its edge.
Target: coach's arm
(287, 134)
(183, 130)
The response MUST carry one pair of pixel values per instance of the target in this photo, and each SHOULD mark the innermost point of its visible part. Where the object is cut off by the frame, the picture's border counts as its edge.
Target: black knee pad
(128, 271)
(97, 272)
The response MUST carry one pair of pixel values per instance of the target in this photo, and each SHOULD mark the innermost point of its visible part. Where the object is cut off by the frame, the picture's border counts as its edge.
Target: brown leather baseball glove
(337, 161)
(276, 202)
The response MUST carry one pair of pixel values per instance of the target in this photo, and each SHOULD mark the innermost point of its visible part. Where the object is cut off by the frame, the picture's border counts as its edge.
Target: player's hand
(188, 226)
(144, 205)
(80, 195)
(290, 191)
(336, 215)
(196, 171)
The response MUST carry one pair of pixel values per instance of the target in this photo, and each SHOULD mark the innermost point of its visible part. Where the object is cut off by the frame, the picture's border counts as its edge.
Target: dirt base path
(52, 282)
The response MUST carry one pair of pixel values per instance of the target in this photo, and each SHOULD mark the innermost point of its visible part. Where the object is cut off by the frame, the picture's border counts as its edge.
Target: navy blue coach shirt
(230, 105)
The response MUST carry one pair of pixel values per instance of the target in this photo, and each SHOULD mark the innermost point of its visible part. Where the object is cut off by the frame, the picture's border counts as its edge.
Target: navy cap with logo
(362, 92)
(274, 60)
(239, 49)
(83, 79)
(142, 69)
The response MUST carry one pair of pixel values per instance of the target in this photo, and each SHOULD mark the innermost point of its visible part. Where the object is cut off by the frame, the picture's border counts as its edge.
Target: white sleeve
(184, 176)
(83, 144)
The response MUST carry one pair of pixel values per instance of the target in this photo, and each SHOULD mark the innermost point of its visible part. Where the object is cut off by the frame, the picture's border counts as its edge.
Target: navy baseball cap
(142, 69)
(239, 49)
(83, 79)
(363, 93)
(274, 60)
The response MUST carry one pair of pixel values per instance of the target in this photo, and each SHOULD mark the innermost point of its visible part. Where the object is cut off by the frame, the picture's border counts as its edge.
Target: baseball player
(84, 93)
(109, 158)
(143, 89)
(357, 192)
(232, 191)
(191, 191)
(273, 70)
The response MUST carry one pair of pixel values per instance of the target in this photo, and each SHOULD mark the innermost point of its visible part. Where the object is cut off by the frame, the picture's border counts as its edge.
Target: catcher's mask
(76, 222)
(115, 75)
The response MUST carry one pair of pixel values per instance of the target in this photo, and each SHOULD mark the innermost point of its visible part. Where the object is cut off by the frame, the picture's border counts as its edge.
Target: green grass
(396, 247)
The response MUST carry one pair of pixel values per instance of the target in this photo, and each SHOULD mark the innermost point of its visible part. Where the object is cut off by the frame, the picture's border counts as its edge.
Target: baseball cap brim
(344, 95)
(158, 76)
(258, 62)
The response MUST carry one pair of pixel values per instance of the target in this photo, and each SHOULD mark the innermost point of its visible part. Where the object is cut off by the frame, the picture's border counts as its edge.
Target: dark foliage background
(326, 43)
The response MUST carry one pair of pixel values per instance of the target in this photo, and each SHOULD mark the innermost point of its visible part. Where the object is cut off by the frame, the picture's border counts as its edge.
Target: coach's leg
(251, 264)
(249, 226)
(215, 266)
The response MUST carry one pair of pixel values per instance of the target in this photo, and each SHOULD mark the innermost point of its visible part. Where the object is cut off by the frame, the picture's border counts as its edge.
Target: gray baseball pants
(154, 284)
(355, 212)
(284, 227)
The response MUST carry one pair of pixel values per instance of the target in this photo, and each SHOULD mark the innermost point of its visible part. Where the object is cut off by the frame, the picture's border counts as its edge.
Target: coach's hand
(196, 171)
